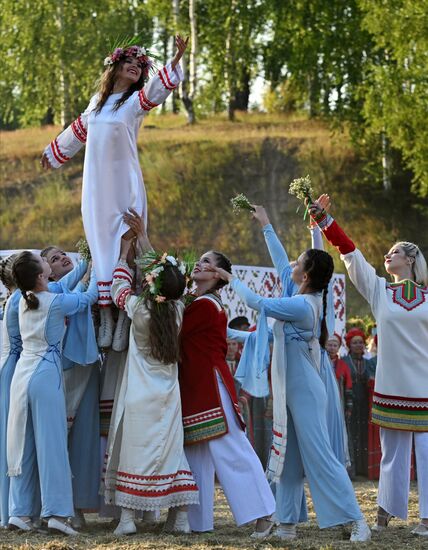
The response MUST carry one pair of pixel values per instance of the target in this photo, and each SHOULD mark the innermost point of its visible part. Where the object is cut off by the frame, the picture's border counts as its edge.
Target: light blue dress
(12, 347)
(41, 460)
(80, 350)
(308, 452)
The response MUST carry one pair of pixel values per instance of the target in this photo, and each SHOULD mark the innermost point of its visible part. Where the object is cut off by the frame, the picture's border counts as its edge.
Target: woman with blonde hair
(112, 178)
(400, 402)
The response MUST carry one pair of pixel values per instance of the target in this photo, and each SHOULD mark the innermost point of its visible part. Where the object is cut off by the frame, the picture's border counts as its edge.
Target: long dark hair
(163, 329)
(26, 268)
(319, 267)
(106, 85)
(223, 262)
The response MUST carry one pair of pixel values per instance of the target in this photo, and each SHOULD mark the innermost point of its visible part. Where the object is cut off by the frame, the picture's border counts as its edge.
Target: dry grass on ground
(98, 535)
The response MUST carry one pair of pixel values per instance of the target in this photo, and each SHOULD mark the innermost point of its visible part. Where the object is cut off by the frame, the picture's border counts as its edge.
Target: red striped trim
(165, 492)
(121, 298)
(168, 79)
(79, 130)
(104, 283)
(274, 450)
(60, 157)
(145, 102)
(166, 85)
(165, 476)
(278, 434)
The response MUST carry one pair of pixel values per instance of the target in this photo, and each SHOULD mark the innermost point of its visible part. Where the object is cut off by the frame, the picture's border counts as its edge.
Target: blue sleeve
(238, 335)
(276, 250)
(78, 301)
(70, 281)
(283, 309)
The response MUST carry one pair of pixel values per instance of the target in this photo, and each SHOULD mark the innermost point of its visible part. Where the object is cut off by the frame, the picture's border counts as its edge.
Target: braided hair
(6, 276)
(26, 268)
(319, 267)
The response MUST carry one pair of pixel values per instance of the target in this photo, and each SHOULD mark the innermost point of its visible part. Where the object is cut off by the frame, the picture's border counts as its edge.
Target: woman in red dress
(213, 427)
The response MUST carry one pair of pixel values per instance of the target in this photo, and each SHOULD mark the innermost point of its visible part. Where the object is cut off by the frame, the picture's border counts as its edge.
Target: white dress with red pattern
(146, 468)
(112, 178)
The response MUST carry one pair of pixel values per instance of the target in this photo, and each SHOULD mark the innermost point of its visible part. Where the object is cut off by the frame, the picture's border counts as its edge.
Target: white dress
(400, 398)
(112, 178)
(146, 468)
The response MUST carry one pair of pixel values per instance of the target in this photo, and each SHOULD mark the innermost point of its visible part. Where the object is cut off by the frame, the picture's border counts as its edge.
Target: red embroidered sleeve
(335, 234)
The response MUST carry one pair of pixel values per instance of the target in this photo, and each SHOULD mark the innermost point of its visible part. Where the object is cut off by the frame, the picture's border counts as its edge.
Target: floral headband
(141, 54)
(152, 266)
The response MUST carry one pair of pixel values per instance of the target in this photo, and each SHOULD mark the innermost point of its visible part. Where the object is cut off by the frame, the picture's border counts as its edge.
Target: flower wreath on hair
(152, 265)
(128, 47)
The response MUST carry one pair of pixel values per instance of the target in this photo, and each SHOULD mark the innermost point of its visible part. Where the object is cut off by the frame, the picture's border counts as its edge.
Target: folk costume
(81, 380)
(146, 466)
(301, 444)
(213, 428)
(400, 401)
(37, 426)
(10, 352)
(362, 370)
(112, 178)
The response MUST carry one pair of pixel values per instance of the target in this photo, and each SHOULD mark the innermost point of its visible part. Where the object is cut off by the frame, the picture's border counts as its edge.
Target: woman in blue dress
(11, 350)
(37, 427)
(301, 444)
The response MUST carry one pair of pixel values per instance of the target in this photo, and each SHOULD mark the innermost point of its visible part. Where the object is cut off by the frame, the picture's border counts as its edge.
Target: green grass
(191, 172)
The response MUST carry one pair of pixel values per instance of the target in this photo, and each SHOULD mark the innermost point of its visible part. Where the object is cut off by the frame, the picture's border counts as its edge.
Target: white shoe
(421, 530)
(285, 531)
(18, 523)
(125, 528)
(121, 332)
(105, 332)
(263, 534)
(58, 526)
(360, 531)
(181, 523)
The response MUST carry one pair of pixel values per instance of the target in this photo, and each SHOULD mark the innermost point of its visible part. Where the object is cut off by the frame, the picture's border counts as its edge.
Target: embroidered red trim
(121, 298)
(164, 492)
(168, 79)
(165, 476)
(60, 157)
(79, 130)
(167, 86)
(278, 434)
(145, 102)
(399, 397)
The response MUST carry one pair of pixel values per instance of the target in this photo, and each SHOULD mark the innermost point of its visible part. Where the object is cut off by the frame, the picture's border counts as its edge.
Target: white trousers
(394, 480)
(238, 469)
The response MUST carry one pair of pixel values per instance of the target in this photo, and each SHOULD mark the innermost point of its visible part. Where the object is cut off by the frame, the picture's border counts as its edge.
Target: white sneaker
(360, 531)
(121, 332)
(285, 531)
(58, 526)
(421, 530)
(105, 331)
(181, 523)
(125, 528)
(21, 524)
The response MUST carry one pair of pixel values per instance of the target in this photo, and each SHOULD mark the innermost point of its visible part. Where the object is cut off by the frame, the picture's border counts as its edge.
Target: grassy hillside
(190, 175)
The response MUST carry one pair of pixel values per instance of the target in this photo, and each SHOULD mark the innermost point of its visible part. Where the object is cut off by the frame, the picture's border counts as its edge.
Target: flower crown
(152, 266)
(127, 47)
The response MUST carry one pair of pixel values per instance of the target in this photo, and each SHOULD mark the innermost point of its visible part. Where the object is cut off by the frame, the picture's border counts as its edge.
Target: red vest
(203, 357)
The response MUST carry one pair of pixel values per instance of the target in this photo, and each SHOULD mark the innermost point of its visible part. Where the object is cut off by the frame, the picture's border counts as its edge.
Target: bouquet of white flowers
(302, 189)
(240, 202)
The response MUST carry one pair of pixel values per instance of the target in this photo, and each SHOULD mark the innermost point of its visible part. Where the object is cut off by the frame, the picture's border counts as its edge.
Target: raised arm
(68, 142)
(163, 83)
(79, 301)
(361, 273)
(283, 309)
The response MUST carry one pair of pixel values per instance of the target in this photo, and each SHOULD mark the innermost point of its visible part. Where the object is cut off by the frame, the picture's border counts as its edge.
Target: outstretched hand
(44, 162)
(181, 48)
(320, 206)
(260, 215)
(135, 222)
(220, 273)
